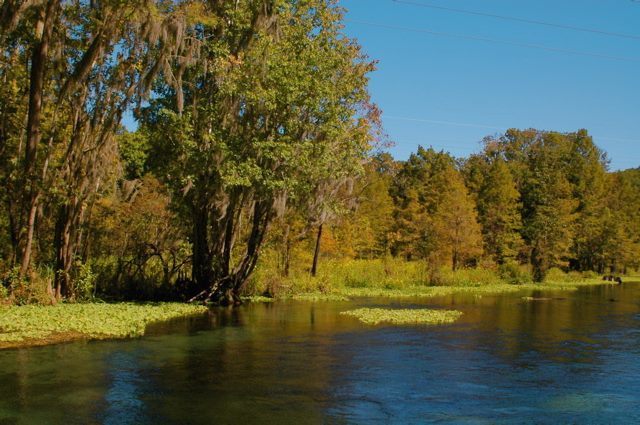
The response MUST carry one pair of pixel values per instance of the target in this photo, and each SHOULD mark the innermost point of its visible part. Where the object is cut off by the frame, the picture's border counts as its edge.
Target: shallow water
(571, 359)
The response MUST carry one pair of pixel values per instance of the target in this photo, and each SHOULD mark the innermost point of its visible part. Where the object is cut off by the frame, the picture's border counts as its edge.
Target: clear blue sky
(449, 92)
(487, 87)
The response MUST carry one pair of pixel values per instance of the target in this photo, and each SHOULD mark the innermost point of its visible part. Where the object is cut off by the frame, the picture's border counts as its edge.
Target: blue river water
(571, 357)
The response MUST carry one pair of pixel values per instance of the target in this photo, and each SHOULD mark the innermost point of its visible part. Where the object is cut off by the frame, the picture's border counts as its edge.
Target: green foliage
(514, 273)
(435, 216)
(134, 150)
(558, 276)
(253, 138)
(401, 279)
(464, 277)
(30, 324)
(32, 289)
(270, 116)
(499, 212)
(375, 316)
(84, 282)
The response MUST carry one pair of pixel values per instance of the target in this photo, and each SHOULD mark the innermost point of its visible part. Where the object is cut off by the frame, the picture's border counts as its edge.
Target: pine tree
(548, 205)
(456, 223)
(499, 213)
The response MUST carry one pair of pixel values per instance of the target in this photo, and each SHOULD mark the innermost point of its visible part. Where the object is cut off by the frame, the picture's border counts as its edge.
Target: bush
(514, 273)
(36, 289)
(4, 293)
(464, 277)
(557, 275)
(590, 275)
(84, 282)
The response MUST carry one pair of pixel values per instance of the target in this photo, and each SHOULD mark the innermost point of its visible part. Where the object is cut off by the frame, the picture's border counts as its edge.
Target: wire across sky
(456, 70)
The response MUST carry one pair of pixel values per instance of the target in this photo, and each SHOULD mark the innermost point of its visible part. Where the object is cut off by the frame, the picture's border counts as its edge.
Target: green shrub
(34, 289)
(590, 275)
(557, 275)
(84, 283)
(515, 274)
(465, 277)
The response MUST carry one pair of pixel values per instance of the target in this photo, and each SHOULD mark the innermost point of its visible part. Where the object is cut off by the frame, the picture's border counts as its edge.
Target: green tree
(499, 211)
(456, 223)
(548, 204)
(586, 171)
(620, 244)
(435, 217)
(276, 104)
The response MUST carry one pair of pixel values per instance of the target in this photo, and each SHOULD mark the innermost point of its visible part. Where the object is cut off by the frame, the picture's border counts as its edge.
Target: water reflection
(123, 404)
(571, 358)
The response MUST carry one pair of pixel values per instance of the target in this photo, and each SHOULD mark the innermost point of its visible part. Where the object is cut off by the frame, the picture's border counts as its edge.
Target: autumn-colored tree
(548, 205)
(499, 210)
(436, 217)
(367, 228)
(587, 174)
(620, 243)
(456, 223)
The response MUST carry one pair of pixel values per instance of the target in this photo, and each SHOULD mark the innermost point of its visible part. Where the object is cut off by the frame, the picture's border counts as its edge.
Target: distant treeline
(256, 135)
(536, 198)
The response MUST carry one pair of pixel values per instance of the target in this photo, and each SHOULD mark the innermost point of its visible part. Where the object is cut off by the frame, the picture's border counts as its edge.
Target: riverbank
(344, 279)
(34, 325)
(346, 293)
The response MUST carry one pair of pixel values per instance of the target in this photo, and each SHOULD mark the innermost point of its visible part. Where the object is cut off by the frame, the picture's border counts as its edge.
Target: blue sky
(449, 92)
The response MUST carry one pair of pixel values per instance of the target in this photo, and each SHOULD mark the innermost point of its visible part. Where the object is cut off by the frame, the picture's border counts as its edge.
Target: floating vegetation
(536, 299)
(315, 296)
(258, 299)
(33, 325)
(478, 291)
(374, 316)
(543, 298)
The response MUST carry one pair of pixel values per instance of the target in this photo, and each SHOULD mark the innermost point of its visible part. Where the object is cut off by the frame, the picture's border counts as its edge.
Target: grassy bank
(40, 325)
(395, 278)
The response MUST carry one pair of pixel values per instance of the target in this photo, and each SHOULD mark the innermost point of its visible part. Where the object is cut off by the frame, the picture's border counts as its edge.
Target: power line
(493, 40)
(523, 20)
(458, 144)
(486, 126)
(456, 124)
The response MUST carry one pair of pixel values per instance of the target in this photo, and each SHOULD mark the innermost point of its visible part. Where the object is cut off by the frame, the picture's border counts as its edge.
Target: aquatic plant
(89, 321)
(319, 297)
(374, 316)
(258, 299)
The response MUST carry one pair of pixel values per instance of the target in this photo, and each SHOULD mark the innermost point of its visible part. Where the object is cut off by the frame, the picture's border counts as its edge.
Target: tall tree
(548, 204)
(586, 171)
(271, 110)
(499, 212)
(436, 217)
(88, 61)
(456, 223)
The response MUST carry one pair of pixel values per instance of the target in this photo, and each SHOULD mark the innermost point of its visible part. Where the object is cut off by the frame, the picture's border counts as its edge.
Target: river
(574, 358)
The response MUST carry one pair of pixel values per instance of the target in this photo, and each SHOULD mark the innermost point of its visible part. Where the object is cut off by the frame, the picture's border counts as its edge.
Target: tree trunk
(227, 287)
(26, 245)
(286, 255)
(44, 30)
(316, 253)
(64, 248)
(202, 271)
(539, 265)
